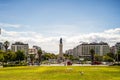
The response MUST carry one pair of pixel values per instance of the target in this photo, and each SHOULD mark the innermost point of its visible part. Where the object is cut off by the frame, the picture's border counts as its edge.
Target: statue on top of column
(60, 40)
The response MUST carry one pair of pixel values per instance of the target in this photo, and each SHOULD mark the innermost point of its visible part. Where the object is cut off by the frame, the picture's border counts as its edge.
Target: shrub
(116, 64)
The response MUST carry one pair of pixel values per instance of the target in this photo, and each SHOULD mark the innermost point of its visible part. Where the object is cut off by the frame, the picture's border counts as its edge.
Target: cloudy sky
(44, 22)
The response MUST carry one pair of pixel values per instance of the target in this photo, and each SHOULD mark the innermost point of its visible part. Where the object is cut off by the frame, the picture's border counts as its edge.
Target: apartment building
(83, 50)
(20, 46)
(117, 47)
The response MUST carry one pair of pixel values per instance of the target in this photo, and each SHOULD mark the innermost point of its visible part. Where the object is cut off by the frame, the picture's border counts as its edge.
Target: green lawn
(60, 73)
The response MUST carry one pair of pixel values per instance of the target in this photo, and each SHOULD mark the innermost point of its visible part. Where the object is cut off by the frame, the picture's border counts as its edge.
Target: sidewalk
(71, 65)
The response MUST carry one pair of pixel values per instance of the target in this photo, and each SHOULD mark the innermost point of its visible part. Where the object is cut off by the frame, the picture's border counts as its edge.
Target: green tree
(53, 56)
(39, 55)
(112, 55)
(98, 57)
(70, 57)
(20, 56)
(6, 45)
(92, 51)
(1, 56)
(117, 56)
(47, 56)
(108, 58)
(9, 56)
(66, 56)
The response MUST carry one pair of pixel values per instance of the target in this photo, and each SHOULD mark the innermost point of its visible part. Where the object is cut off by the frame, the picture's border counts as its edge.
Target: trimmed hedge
(116, 64)
(13, 65)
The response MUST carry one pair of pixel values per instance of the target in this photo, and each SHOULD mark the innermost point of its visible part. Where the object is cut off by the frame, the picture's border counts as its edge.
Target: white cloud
(113, 31)
(51, 43)
(12, 25)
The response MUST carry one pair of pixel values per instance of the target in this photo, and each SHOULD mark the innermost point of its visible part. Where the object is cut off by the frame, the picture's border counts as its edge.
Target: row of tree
(10, 56)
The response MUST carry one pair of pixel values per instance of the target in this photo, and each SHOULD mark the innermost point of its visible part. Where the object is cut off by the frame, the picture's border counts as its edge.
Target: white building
(33, 51)
(117, 47)
(20, 46)
(69, 52)
(1, 46)
(36, 47)
(83, 50)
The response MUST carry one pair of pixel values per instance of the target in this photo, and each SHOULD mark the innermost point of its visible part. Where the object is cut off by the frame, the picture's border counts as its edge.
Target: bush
(108, 59)
(116, 64)
(14, 64)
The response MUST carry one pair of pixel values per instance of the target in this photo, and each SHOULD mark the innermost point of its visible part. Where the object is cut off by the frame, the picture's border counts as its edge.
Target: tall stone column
(60, 50)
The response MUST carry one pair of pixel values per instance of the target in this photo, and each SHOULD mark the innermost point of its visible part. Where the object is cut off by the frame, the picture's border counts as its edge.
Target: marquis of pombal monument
(60, 57)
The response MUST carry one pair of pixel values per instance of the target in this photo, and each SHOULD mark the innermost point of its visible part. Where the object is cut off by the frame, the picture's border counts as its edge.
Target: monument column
(60, 56)
(61, 49)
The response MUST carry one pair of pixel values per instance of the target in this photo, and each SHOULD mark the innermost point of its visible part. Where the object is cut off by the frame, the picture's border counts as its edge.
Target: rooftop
(19, 43)
(95, 43)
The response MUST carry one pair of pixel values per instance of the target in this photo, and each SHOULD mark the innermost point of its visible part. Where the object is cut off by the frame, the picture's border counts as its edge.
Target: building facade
(69, 52)
(33, 51)
(36, 48)
(117, 47)
(2, 46)
(20, 46)
(112, 49)
(83, 50)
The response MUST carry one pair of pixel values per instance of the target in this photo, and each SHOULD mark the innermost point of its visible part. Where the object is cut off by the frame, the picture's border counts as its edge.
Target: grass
(60, 73)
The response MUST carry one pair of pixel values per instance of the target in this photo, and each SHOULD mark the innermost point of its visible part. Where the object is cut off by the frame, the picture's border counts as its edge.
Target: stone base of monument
(60, 60)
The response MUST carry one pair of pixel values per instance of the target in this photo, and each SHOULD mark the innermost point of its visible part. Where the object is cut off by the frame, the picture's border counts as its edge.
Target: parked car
(69, 63)
(96, 63)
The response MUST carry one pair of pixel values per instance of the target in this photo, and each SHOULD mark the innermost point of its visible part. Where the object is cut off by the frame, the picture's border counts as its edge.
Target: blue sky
(43, 15)
(56, 18)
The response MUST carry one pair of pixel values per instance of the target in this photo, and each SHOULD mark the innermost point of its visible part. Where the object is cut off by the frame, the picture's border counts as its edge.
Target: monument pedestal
(61, 59)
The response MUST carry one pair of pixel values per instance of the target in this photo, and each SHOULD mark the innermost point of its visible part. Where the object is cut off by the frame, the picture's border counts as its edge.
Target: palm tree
(6, 45)
(39, 55)
(32, 58)
(92, 51)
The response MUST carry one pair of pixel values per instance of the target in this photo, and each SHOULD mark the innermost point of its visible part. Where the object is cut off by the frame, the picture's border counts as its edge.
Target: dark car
(96, 63)
(69, 63)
